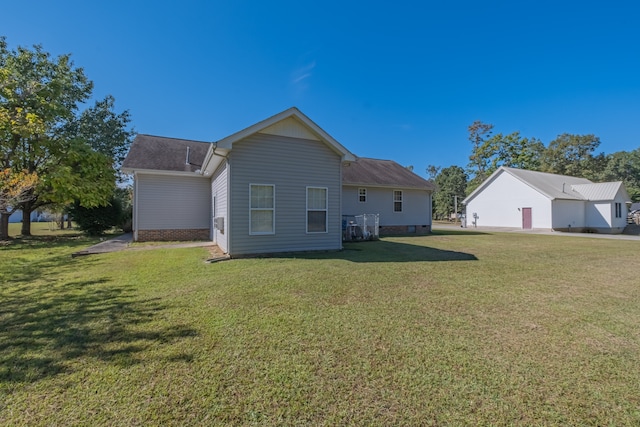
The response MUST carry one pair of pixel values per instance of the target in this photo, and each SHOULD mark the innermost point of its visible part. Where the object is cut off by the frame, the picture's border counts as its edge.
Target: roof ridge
(544, 173)
(380, 160)
(174, 138)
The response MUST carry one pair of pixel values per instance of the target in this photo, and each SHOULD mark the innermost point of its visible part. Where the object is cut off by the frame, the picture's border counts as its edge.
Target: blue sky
(398, 80)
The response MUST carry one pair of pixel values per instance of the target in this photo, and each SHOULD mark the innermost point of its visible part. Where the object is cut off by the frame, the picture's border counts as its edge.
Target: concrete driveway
(535, 231)
(123, 242)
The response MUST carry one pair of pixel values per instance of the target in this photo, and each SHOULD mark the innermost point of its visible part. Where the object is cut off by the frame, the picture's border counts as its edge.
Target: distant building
(527, 199)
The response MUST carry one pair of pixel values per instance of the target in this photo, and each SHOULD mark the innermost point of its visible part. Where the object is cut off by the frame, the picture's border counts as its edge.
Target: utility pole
(455, 209)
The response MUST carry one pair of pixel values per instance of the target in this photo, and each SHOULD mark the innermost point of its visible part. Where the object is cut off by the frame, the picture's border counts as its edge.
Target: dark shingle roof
(167, 154)
(382, 173)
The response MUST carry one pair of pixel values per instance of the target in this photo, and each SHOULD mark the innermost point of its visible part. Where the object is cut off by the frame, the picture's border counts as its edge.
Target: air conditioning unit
(218, 223)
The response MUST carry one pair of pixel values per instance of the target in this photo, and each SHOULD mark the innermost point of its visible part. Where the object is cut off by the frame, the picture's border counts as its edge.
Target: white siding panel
(167, 202)
(620, 223)
(219, 182)
(599, 214)
(291, 165)
(568, 212)
(500, 204)
(416, 207)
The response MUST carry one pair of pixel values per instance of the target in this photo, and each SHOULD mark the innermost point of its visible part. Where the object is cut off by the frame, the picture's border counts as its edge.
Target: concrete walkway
(124, 241)
(534, 231)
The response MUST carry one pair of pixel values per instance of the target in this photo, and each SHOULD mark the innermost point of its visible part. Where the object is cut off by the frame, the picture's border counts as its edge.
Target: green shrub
(95, 221)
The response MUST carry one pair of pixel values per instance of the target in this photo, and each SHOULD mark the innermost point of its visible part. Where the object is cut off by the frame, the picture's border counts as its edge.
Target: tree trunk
(4, 226)
(26, 219)
(62, 222)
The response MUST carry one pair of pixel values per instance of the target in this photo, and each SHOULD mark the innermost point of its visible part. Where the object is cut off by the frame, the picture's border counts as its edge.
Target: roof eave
(133, 171)
(399, 187)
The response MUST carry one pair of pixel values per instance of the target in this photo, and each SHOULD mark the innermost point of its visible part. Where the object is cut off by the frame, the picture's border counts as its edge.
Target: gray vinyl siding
(291, 164)
(416, 205)
(219, 187)
(172, 202)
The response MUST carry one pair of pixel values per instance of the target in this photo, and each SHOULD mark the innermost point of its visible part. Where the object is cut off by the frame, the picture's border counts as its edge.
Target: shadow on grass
(50, 325)
(386, 251)
(35, 242)
(457, 232)
(35, 259)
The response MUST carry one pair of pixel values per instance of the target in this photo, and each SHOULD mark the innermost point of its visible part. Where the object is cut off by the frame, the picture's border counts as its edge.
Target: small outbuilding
(527, 199)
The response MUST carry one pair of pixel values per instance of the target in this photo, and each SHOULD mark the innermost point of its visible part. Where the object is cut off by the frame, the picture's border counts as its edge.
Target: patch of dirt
(215, 254)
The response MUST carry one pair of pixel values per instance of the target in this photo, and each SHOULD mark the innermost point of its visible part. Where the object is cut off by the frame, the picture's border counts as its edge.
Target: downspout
(229, 198)
(430, 212)
(341, 211)
(135, 205)
(228, 219)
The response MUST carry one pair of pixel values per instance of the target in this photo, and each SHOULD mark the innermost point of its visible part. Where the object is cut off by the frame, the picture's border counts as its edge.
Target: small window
(618, 210)
(397, 200)
(316, 210)
(262, 212)
(362, 195)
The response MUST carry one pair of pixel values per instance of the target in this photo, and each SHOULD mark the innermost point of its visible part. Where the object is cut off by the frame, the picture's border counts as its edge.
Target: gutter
(205, 164)
(207, 159)
(210, 153)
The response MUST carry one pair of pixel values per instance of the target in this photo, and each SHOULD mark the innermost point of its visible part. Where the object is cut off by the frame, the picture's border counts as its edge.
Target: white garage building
(527, 199)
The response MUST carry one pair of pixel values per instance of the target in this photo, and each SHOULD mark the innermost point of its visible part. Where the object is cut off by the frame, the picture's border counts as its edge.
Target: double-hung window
(397, 200)
(262, 209)
(317, 209)
(362, 195)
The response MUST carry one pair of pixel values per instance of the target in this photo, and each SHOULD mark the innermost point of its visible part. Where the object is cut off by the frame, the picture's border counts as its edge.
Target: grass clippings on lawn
(453, 328)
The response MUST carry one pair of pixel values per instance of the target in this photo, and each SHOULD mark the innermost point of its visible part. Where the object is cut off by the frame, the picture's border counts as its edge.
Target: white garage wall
(599, 214)
(500, 204)
(568, 212)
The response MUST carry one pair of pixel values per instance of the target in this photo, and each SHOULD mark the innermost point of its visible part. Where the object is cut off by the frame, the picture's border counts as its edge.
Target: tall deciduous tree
(451, 183)
(510, 150)
(43, 132)
(433, 171)
(489, 152)
(572, 155)
(15, 188)
(624, 166)
(519, 152)
(479, 133)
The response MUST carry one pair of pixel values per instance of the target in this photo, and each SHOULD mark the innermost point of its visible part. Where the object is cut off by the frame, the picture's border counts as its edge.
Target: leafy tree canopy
(42, 130)
(451, 183)
(572, 155)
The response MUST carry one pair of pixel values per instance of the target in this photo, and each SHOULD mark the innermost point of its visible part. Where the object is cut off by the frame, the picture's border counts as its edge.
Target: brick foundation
(173, 235)
(391, 230)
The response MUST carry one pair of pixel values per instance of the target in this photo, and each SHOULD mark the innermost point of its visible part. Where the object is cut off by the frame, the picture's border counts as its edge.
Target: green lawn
(42, 229)
(457, 328)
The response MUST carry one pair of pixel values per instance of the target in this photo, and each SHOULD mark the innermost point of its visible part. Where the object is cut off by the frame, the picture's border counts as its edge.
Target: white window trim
(326, 209)
(393, 195)
(360, 195)
(273, 225)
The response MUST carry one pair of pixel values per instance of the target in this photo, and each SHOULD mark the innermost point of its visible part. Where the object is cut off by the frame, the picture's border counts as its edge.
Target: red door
(526, 218)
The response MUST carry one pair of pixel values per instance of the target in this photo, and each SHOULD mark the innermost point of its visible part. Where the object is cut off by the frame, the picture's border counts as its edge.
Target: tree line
(55, 151)
(568, 154)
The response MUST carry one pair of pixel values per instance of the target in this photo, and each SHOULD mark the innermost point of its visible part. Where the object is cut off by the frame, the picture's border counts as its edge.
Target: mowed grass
(456, 328)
